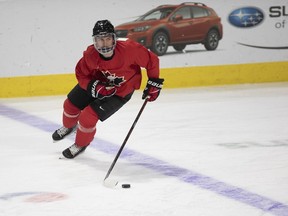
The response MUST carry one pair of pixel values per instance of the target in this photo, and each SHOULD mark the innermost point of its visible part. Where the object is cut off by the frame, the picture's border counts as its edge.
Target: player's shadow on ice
(123, 169)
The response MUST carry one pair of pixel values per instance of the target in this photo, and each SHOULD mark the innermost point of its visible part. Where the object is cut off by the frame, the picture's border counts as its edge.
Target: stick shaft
(126, 139)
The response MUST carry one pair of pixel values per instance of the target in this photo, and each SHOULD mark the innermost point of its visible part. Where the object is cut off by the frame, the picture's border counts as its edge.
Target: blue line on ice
(260, 202)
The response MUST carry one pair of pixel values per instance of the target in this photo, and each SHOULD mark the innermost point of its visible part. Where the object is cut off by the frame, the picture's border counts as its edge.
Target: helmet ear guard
(102, 29)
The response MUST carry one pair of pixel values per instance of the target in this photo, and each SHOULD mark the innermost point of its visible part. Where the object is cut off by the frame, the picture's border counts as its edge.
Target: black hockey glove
(100, 90)
(153, 88)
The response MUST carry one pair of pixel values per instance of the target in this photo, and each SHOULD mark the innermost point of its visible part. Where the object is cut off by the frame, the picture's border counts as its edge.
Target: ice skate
(60, 133)
(73, 151)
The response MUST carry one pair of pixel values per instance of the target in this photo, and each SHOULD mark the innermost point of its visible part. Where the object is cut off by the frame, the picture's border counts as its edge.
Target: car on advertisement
(174, 25)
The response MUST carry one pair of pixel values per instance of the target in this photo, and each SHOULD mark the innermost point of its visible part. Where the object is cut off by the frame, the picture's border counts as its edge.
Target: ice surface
(199, 151)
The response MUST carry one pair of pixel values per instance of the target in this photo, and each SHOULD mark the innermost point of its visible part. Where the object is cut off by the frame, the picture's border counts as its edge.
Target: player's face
(105, 44)
(104, 41)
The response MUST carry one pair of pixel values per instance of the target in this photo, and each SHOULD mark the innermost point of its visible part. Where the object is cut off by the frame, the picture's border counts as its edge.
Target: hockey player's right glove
(153, 88)
(100, 90)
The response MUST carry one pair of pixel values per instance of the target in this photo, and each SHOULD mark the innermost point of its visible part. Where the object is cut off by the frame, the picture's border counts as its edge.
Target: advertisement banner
(212, 42)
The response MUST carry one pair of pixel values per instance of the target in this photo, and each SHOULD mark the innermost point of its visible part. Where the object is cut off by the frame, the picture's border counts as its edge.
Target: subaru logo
(246, 17)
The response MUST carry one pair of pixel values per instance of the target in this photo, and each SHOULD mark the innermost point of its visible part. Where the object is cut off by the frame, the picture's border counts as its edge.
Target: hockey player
(107, 74)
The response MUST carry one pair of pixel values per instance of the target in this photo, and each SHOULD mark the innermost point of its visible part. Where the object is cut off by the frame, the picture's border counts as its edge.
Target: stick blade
(110, 183)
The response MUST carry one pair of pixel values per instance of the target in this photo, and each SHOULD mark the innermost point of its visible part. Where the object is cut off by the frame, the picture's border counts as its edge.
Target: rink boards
(181, 77)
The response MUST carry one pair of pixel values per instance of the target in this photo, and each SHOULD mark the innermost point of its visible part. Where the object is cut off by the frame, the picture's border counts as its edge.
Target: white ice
(197, 151)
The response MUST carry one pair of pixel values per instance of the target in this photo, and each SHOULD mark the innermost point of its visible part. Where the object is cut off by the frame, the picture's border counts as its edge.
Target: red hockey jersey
(123, 70)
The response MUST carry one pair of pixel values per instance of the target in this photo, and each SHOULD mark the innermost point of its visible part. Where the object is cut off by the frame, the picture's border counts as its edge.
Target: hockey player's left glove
(153, 88)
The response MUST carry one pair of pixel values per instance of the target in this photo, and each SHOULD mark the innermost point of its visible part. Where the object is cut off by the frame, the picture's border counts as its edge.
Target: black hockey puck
(126, 185)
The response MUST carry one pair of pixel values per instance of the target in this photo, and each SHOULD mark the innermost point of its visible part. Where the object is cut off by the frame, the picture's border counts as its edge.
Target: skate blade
(64, 158)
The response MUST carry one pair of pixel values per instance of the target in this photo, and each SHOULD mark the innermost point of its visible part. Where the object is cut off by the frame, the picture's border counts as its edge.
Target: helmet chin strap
(108, 54)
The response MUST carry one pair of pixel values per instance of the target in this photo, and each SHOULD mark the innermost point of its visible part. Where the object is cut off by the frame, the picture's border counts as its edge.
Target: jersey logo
(113, 79)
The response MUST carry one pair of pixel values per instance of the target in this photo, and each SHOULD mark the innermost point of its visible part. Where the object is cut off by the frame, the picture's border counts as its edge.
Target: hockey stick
(112, 183)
